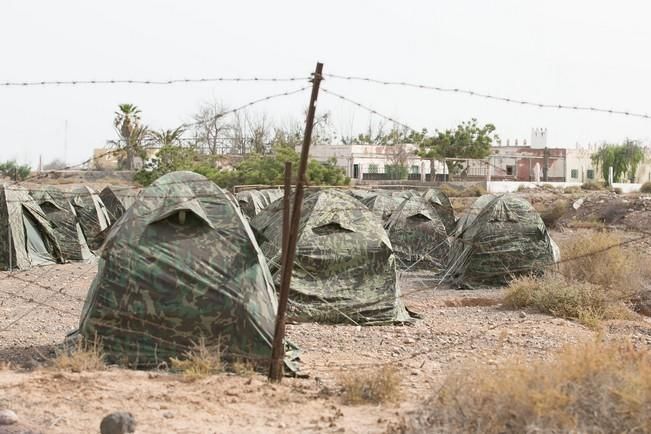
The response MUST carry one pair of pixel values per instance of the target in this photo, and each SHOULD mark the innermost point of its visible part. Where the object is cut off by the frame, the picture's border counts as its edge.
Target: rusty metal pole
(277, 348)
(287, 265)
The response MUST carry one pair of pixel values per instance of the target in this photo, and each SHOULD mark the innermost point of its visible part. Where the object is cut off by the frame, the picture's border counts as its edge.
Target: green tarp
(501, 237)
(26, 237)
(180, 265)
(345, 268)
(92, 214)
(61, 215)
(117, 200)
(253, 202)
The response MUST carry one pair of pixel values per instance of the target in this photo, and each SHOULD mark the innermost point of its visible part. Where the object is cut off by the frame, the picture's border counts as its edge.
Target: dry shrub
(371, 386)
(594, 225)
(243, 368)
(83, 356)
(594, 387)
(646, 187)
(572, 190)
(550, 216)
(471, 191)
(556, 295)
(592, 186)
(599, 258)
(199, 362)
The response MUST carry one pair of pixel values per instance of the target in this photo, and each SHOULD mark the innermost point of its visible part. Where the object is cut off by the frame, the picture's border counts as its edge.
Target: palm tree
(131, 132)
(167, 137)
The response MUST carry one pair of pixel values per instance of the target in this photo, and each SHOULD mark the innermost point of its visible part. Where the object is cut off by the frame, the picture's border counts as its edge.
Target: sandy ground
(458, 329)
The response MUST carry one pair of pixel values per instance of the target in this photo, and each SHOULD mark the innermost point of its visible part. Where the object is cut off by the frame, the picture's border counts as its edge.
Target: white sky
(581, 52)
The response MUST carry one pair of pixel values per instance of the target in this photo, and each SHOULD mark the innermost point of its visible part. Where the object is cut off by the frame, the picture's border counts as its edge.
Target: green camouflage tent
(63, 219)
(180, 265)
(501, 237)
(384, 203)
(26, 236)
(344, 270)
(117, 200)
(253, 202)
(93, 216)
(418, 235)
(443, 207)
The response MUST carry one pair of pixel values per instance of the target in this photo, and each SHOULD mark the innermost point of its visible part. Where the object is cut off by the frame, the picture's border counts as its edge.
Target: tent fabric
(26, 236)
(253, 202)
(384, 203)
(92, 214)
(502, 237)
(441, 203)
(418, 235)
(344, 269)
(181, 264)
(117, 200)
(63, 218)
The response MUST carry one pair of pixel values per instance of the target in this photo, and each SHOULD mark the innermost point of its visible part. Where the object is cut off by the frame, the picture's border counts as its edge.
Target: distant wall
(88, 175)
(512, 186)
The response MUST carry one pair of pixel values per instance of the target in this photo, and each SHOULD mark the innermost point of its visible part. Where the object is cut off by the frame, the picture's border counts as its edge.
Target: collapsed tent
(502, 237)
(253, 202)
(383, 203)
(181, 265)
(344, 269)
(117, 200)
(418, 235)
(26, 237)
(93, 217)
(63, 219)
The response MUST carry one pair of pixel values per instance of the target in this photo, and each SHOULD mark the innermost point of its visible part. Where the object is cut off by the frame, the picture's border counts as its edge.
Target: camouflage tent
(253, 202)
(503, 236)
(61, 215)
(344, 270)
(92, 214)
(26, 236)
(443, 207)
(418, 235)
(384, 203)
(117, 200)
(180, 265)
(361, 194)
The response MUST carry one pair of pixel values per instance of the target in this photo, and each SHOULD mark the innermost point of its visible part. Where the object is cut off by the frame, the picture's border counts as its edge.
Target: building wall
(579, 167)
(519, 163)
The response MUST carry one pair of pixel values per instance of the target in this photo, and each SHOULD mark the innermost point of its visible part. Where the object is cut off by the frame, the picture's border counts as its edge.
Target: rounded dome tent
(61, 215)
(344, 269)
(500, 238)
(181, 265)
(253, 202)
(26, 236)
(441, 202)
(418, 235)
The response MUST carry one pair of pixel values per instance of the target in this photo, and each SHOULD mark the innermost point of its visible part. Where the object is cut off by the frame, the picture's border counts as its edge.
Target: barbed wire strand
(473, 93)
(151, 82)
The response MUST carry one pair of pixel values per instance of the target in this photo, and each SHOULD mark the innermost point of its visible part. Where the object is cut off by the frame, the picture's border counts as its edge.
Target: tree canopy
(12, 170)
(468, 140)
(624, 159)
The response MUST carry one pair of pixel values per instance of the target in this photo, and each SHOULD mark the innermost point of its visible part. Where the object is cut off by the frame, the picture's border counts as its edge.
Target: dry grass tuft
(600, 259)
(572, 190)
(471, 191)
(85, 356)
(550, 216)
(646, 187)
(243, 368)
(199, 362)
(371, 386)
(592, 186)
(593, 387)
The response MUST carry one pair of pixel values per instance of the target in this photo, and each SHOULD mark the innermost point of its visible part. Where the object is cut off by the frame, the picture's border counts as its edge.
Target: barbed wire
(489, 96)
(152, 82)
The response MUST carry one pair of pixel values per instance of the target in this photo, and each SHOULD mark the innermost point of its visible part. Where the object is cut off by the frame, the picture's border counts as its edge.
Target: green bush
(13, 170)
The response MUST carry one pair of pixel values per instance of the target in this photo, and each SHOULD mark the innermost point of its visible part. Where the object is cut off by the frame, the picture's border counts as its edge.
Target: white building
(368, 161)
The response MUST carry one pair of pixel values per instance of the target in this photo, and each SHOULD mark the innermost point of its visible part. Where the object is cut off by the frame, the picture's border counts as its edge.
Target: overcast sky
(580, 52)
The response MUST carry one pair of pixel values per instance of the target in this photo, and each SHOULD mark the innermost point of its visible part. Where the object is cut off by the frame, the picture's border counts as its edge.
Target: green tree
(16, 171)
(130, 131)
(468, 140)
(624, 159)
(166, 137)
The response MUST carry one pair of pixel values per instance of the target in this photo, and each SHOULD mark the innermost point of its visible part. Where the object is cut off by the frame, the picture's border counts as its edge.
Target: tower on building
(539, 137)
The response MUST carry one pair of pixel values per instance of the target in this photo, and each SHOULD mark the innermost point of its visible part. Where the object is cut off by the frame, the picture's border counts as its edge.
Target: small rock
(523, 315)
(8, 417)
(168, 415)
(119, 422)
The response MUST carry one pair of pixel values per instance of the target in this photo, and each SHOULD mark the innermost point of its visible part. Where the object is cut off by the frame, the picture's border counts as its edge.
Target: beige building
(109, 158)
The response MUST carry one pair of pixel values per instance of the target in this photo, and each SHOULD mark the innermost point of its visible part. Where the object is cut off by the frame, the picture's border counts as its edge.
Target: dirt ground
(457, 330)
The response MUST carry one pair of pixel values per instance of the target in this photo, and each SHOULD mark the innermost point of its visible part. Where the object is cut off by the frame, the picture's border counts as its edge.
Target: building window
(590, 174)
(510, 170)
(414, 170)
(574, 174)
(372, 168)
